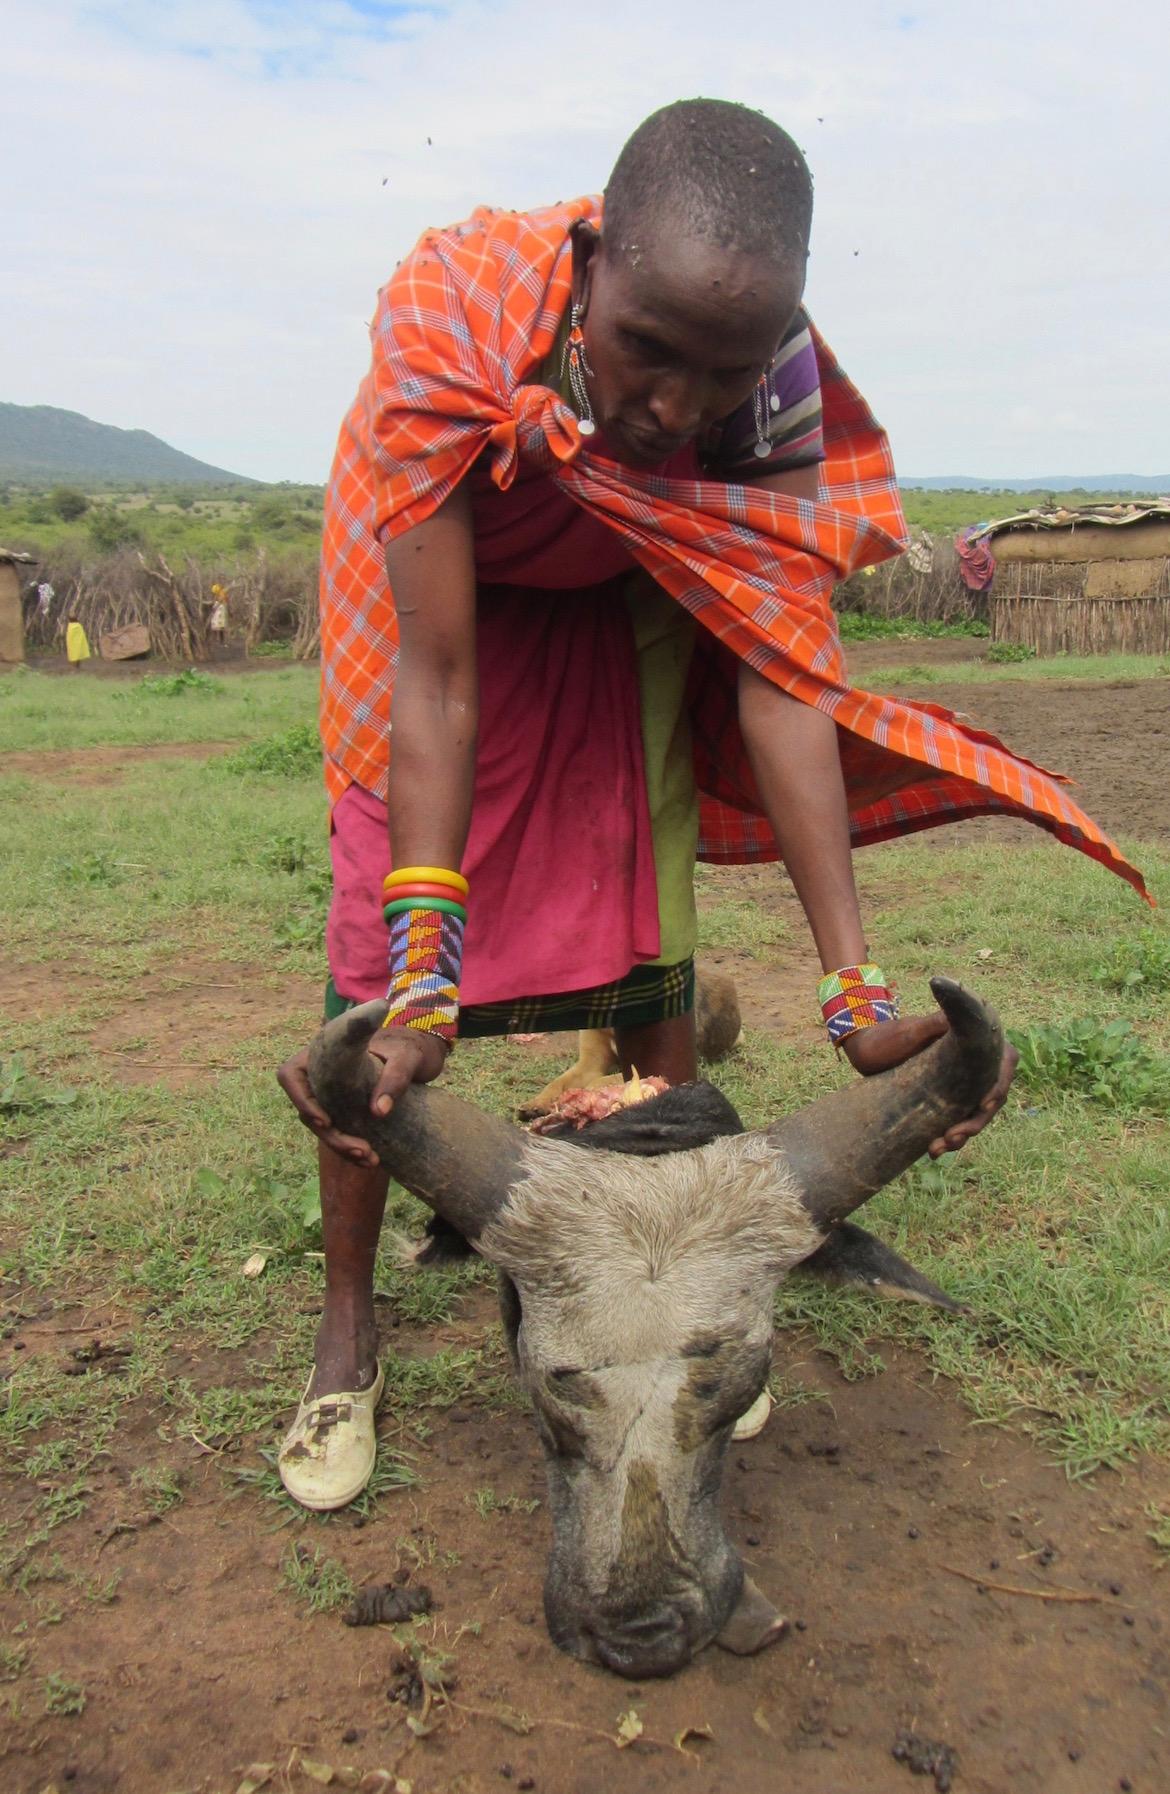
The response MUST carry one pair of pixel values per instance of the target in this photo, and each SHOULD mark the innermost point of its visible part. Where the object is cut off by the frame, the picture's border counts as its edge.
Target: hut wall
(1089, 542)
(1082, 625)
(11, 625)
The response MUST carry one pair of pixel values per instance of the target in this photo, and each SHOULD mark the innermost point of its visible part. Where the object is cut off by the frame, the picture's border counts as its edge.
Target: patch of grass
(63, 1697)
(1139, 966)
(1105, 1060)
(43, 711)
(159, 1487)
(738, 922)
(859, 626)
(1159, 1528)
(1108, 668)
(176, 685)
(320, 1584)
(1009, 653)
(293, 754)
(23, 1093)
(13, 1661)
(486, 1501)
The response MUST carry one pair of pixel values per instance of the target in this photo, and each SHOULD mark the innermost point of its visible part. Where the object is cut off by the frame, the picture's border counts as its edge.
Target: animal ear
(687, 1116)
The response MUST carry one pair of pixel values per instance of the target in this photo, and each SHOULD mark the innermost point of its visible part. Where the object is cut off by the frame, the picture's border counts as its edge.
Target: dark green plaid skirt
(646, 994)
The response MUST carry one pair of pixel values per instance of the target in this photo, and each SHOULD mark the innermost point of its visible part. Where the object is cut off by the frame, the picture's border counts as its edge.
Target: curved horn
(459, 1160)
(843, 1149)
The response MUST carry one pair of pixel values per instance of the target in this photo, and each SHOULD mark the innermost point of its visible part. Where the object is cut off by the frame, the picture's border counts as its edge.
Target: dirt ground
(942, 1580)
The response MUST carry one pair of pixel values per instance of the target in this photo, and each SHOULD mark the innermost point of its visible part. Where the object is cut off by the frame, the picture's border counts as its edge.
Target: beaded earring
(578, 361)
(764, 400)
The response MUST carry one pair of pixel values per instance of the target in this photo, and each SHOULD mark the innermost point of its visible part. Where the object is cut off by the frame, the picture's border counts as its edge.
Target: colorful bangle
(435, 874)
(421, 892)
(853, 998)
(402, 905)
(426, 957)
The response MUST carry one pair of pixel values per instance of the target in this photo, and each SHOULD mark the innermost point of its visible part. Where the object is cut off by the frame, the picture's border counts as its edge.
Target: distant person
(76, 644)
(219, 615)
(45, 597)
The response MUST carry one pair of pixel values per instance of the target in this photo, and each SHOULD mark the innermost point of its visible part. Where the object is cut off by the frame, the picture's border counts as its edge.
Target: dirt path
(911, 1549)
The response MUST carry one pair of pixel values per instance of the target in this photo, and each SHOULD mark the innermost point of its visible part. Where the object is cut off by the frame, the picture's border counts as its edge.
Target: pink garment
(976, 561)
(560, 856)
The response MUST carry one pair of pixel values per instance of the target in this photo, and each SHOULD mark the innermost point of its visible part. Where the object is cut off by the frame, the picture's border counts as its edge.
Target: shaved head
(717, 173)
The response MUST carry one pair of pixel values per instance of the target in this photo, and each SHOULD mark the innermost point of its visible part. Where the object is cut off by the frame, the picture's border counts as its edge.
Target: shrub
(110, 528)
(67, 503)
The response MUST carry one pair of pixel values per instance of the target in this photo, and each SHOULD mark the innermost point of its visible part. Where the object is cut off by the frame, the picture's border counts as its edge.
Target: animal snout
(656, 1643)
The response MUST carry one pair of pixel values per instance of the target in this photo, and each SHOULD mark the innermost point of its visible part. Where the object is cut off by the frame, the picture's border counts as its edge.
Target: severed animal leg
(597, 1062)
(717, 1030)
(850, 1255)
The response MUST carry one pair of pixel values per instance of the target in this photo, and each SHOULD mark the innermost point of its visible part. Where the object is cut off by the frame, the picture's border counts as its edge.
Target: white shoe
(327, 1457)
(756, 1419)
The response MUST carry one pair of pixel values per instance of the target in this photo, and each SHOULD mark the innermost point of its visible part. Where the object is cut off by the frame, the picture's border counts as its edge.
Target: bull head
(637, 1298)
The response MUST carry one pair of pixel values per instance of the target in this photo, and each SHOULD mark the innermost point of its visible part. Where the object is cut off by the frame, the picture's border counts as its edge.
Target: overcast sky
(200, 198)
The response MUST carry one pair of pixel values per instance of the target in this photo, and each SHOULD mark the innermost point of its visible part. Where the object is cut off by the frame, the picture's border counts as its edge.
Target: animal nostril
(649, 1626)
(653, 1644)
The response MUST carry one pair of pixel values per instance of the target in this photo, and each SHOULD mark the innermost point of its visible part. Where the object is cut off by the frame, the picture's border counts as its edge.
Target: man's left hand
(876, 1049)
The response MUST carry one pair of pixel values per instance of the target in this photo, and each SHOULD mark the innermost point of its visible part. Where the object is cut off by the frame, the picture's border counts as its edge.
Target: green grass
(1097, 667)
(43, 710)
(945, 512)
(860, 626)
(1055, 1226)
(317, 1583)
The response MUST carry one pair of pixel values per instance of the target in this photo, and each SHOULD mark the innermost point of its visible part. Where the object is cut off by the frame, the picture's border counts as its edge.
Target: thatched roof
(1070, 517)
(13, 557)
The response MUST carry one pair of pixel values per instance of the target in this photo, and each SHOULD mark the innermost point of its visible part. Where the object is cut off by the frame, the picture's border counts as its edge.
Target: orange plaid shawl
(471, 312)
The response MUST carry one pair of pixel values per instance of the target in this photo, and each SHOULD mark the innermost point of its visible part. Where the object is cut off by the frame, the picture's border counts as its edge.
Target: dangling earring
(574, 353)
(764, 400)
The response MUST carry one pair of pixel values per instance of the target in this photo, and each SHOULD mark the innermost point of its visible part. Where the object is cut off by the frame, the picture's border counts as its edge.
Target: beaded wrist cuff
(426, 956)
(855, 997)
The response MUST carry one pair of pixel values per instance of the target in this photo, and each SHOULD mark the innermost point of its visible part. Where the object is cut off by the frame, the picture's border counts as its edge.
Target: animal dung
(386, 1604)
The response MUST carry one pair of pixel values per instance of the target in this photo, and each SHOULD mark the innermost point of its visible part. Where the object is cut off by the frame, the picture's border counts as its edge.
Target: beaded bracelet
(855, 997)
(426, 957)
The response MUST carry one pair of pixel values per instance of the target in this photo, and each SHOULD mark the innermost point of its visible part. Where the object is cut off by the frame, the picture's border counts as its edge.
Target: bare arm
(433, 720)
(435, 710)
(796, 760)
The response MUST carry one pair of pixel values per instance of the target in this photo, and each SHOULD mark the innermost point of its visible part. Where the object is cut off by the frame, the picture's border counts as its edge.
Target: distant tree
(67, 503)
(272, 512)
(184, 501)
(110, 528)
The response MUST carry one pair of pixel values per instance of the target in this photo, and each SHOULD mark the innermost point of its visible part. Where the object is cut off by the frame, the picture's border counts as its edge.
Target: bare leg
(661, 1049)
(352, 1203)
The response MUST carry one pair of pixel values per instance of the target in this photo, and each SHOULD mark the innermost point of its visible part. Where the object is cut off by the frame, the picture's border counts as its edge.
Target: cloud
(213, 193)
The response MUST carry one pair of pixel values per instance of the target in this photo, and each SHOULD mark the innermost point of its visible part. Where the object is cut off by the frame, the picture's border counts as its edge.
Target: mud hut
(1088, 579)
(11, 621)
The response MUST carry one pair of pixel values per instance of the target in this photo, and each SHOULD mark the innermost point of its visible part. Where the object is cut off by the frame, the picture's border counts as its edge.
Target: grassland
(942, 513)
(144, 1199)
(163, 877)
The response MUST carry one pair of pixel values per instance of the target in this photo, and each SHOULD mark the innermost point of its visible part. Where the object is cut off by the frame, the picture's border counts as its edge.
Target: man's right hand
(406, 1056)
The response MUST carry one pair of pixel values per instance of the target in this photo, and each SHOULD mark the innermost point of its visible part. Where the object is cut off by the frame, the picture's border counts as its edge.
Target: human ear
(586, 241)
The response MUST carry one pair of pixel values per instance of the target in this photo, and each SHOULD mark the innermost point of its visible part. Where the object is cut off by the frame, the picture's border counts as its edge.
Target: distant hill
(1111, 482)
(41, 442)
